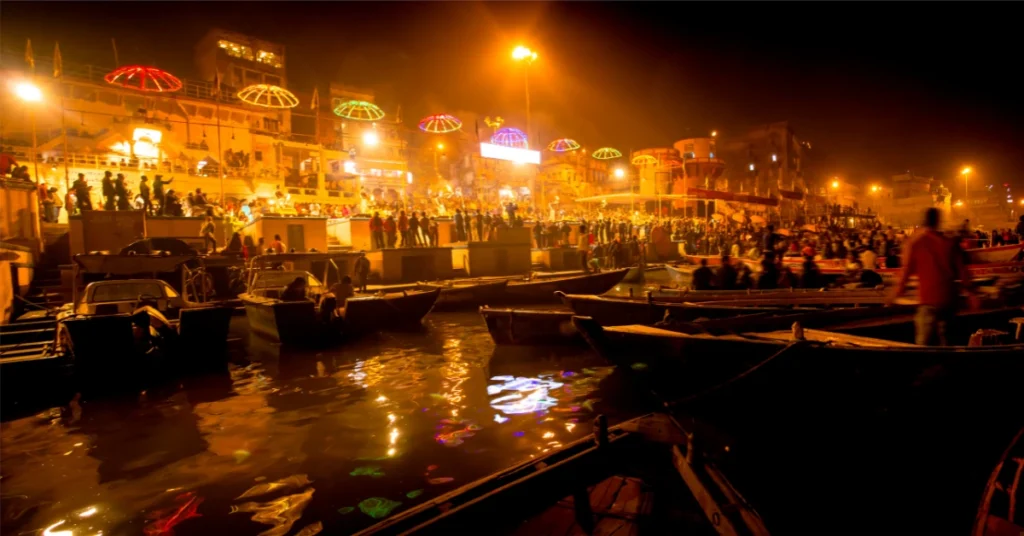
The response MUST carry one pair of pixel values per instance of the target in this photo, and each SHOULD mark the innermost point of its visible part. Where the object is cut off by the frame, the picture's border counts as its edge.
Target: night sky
(880, 87)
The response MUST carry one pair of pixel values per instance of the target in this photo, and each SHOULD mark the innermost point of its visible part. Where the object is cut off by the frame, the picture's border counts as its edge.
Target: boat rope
(734, 379)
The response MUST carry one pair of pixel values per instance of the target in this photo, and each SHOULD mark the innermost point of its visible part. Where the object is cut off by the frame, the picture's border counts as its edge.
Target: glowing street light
(620, 173)
(714, 133)
(440, 146)
(28, 92)
(370, 138)
(874, 188)
(966, 171)
(527, 57)
(835, 184)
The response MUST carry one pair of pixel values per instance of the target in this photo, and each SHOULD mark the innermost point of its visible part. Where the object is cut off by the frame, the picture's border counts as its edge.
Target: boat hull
(461, 296)
(374, 313)
(526, 327)
(543, 291)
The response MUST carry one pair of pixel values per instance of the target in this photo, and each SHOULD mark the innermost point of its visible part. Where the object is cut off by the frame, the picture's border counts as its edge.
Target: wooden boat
(530, 327)
(843, 369)
(620, 311)
(543, 291)
(638, 273)
(110, 319)
(686, 295)
(646, 472)
(1000, 513)
(998, 254)
(458, 294)
(312, 321)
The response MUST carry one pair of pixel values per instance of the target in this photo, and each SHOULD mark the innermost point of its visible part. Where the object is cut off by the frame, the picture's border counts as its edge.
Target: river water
(303, 442)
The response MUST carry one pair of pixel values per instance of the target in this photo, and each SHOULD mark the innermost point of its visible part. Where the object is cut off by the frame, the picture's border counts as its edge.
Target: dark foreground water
(300, 443)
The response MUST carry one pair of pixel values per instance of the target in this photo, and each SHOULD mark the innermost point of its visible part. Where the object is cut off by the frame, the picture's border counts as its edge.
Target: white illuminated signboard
(511, 154)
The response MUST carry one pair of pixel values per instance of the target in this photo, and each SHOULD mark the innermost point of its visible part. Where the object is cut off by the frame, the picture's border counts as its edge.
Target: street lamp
(620, 173)
(31, 94)
(370, 138)
(966, 171)
(527, 57)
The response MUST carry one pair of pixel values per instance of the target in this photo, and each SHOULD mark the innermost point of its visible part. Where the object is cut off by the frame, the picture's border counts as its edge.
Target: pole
(64, 132)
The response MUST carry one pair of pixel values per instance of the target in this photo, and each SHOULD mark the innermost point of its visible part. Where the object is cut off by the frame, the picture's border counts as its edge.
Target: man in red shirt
(938, 264)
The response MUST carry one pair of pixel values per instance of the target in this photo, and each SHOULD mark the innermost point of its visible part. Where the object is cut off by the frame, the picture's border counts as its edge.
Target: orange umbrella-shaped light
(440, 124)
(563, 145)
(644, 160)
(268, 96)
(359, 110)
(143, 79)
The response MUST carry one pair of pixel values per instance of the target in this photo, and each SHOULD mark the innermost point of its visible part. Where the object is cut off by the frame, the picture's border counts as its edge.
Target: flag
(314, 103)
(476, 126)
(30, 58)
(58, 63)
(114, 45)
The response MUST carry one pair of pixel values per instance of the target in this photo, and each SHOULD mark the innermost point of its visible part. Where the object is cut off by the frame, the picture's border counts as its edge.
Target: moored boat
(998, 254)
(647, 472)
(530, 327)
(458, 294)
(619, 311)
(998, 514)
(313, 320)
(543, 291)
(843, 369)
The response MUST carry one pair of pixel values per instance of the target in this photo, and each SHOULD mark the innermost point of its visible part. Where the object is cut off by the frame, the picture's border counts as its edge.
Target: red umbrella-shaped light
(440, 124)
(143, 79)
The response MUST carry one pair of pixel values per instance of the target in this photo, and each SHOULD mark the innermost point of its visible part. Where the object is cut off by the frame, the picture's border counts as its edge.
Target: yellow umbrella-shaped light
(359, 110)
(606, 153)
(644, 160)
(268, 96)
(563, 145)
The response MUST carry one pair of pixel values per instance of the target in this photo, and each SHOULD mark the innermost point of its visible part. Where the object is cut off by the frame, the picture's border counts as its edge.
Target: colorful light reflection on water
(298, 443)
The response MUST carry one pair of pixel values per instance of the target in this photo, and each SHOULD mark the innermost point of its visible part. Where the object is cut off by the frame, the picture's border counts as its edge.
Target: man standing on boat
(938, 264)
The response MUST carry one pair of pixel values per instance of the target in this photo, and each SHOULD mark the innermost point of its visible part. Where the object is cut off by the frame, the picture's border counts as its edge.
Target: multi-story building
(570, 175)
(764, 160)
(202, 135)
(702, 165)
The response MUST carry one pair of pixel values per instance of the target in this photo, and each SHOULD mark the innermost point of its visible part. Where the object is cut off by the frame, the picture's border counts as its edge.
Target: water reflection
(299, 442)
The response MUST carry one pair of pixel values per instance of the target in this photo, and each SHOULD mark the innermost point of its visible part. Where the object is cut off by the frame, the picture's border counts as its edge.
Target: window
(224, 115)
(204, 112)
(237, 118)
(252, 77)
(713, 148)
(236, 76)
(133, 102)
(688, 148)
(258, 155)
(268, 58)
(87, 94)
(273, 125)
(236, 50)
(272, 80)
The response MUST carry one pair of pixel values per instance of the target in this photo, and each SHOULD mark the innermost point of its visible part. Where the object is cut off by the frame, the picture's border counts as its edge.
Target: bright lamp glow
(370, 138)
(775, 158)
(714, 133)
(349, 166)
(751, 167)
(28, 92)
(408, 177)
(440, 146)
(511, 154)
(965, 170)
(523, 53)
(835, 184)
(620, 173)
(152, 135)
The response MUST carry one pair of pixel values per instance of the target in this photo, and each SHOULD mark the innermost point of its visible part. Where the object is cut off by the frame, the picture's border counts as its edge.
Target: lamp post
(30, 93)
(527, 57)
(966, 171)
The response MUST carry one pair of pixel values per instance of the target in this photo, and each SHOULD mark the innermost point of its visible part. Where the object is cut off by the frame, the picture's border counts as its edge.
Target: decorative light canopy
(644, 160)
(607, 153)
(563, 145)
(143, 79)
(510, 137)
(359, 110)
(440, 124)
(672, 163)
(268, 96)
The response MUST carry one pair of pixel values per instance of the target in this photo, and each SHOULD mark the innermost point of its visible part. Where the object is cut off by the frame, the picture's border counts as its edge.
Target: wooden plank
(712, 510)
(833, 338)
